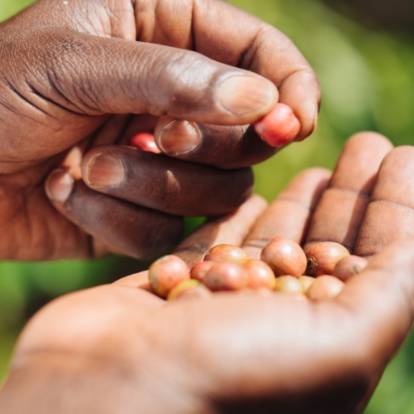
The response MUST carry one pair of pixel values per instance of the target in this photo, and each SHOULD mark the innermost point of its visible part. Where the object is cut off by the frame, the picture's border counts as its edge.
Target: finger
(342, 207)
(165, 184)
(229, 35)
(289, 214)
(220, 146)
(188, 85)
(231, 229)
(390, 214)
(123, 227)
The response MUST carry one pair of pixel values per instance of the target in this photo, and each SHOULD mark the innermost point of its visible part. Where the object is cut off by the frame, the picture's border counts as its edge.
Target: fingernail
(59, 185)
(104, 170)
(243, 94)
(179, 137)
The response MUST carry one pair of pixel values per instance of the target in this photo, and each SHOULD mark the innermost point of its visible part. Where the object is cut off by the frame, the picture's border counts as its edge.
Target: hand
(79, 74)
(120, 349)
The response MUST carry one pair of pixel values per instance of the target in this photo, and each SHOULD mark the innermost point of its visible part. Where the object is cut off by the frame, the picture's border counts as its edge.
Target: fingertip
(177, 137)
(59, 186)
(245, 97)
(378, 140)
(301, 91)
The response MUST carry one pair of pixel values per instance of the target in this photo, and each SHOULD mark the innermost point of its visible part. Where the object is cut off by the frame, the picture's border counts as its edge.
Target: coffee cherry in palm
(325, 287)
(285, 257)
(323, 257)
(166, 273)
(226, 253)
(349, 266)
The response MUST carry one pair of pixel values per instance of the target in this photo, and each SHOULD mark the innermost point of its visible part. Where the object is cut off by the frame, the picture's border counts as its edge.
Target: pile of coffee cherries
(318, 273)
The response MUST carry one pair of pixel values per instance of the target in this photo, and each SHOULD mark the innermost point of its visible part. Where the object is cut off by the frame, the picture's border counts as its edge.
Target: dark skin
(119, 348)
(79, 76)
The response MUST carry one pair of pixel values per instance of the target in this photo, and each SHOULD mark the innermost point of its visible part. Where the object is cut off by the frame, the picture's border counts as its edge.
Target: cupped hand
(119, 348)
(79, 74)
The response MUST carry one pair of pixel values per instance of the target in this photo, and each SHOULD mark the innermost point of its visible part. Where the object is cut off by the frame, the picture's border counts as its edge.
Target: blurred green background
(367, 78)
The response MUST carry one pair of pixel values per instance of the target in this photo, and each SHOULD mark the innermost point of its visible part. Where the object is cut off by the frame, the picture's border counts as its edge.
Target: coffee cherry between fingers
(279, 127)
(144, 141)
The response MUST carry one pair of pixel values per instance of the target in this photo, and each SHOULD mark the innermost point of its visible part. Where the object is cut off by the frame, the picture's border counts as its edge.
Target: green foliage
(367, 79)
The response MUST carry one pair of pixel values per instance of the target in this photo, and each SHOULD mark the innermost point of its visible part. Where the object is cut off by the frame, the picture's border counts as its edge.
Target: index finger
(231, 36)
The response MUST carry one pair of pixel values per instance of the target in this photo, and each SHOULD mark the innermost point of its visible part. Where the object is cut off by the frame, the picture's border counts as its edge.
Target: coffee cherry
(325, 287)
(323, 257)
(226, 276)
(226, 253)
(145, 142)
(166, 273)
(306, 282)
(260, 275)
(189, 289)
(199, 270)
(349, 266)
(288, 284)
(279, 127)
(285, 257)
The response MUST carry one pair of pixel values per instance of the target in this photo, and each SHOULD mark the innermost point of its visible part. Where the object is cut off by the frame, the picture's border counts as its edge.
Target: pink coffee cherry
(323, 257)
(189, 289)
(226, 276)
(349, 266)
(199, 270)
(260, 275)
(288, 284)
(306, 282)
(279, 127)
(166, 273)
(145, 142)
(226, 253)
(285, 257)
(325, 287)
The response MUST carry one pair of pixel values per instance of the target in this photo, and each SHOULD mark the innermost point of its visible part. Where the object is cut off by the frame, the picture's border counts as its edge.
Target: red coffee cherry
(306, 282)
(349, 266)
(226, 253)
(285, 257)
(323, 257)
(145, 142)
(166, 273)
(279, 127)
(288, 284)
(325, 287)
(199, 270)
(226, 276)
(260, 275)
(189, 289)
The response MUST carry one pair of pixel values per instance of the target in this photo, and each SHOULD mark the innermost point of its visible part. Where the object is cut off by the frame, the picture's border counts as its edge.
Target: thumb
(117, 76)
